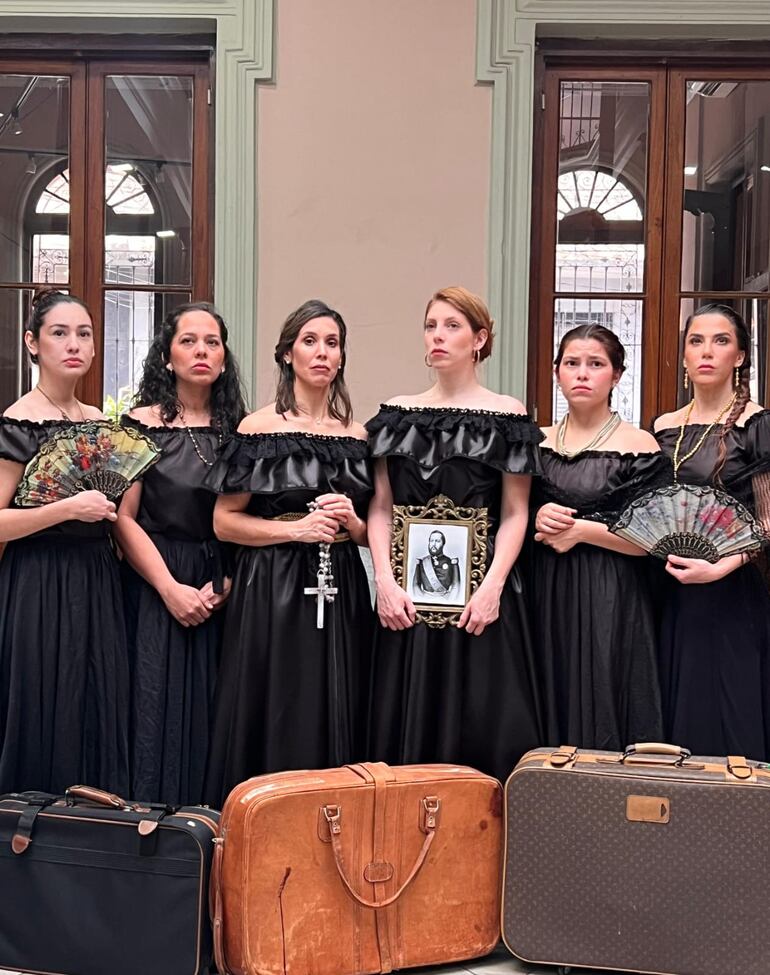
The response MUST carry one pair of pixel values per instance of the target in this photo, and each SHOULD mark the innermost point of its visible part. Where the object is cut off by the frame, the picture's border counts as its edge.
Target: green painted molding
(244, 57)
(506, 32)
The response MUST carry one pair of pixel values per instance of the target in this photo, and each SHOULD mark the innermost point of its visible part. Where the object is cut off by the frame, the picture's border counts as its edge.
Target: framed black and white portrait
(438, 554)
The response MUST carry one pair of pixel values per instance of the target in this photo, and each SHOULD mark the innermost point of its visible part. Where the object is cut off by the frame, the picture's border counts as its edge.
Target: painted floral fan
(92, 456)
(690, 520)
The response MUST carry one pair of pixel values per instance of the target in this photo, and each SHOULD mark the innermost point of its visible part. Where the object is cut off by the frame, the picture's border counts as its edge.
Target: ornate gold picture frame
(438, 553)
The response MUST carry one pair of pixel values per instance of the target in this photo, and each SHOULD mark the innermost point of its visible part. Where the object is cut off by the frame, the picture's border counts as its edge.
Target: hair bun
(42, 293)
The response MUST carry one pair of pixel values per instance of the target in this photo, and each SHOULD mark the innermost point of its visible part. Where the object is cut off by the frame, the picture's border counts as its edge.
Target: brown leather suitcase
(360, 869)
(648, 861)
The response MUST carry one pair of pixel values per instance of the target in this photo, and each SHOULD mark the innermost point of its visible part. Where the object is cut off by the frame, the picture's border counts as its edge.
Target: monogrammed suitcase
(93, 885)
(360, 869)
(648, 861)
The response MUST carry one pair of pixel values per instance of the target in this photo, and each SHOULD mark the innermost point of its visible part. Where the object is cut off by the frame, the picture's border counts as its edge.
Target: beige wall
(373, 177)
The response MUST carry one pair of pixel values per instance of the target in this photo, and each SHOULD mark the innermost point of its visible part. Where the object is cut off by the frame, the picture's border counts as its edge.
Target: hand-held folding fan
(690, 520)
(92, 456)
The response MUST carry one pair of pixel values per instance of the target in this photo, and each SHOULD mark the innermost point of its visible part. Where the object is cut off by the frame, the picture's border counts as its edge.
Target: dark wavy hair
(46, 299)
(339, 398)
(158, 384)
(609, 341)
(743, 390)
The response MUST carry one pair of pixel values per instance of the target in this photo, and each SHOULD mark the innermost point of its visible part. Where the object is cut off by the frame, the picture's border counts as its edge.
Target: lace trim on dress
(266, 463)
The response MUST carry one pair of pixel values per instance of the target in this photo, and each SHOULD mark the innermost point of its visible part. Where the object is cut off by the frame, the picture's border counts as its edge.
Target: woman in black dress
(590, 593)
(463, 693)
(63, 662)
(189, 400)
(715, 640)
(293, 480)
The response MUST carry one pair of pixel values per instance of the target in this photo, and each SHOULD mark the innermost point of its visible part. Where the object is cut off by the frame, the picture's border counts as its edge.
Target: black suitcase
(94, 885)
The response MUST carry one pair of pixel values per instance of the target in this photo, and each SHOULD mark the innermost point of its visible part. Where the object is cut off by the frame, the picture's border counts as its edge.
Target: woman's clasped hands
(557, 527)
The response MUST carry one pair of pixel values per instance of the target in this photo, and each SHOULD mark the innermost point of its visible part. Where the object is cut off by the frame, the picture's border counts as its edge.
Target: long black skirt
(173, 678)
(63, 666)
(290, 696)
(443, 695)
(596, 634)
(715, 665)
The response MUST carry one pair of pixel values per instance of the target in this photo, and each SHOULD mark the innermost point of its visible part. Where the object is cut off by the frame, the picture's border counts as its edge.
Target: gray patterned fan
(690, 520)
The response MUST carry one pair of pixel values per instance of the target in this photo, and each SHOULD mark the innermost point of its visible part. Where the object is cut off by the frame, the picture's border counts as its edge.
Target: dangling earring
(737, 377)
(686, 378)
(476, 357)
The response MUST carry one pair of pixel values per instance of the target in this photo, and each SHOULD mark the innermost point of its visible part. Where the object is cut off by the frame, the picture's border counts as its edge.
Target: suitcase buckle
(332, 815)
(431, 806)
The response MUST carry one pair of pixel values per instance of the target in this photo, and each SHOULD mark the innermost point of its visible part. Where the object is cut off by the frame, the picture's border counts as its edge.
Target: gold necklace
(61, 409)
(604, 433)
(678, 461)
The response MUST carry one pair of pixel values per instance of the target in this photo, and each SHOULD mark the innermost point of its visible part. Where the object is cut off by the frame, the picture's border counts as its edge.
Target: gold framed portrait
(438, 552)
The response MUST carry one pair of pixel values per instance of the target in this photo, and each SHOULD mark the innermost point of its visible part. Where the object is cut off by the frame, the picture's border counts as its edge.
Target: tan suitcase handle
(656, 748)
(430, 806)
(98, 796)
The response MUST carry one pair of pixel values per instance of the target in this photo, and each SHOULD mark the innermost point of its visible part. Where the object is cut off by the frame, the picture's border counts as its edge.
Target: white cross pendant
(323, 594)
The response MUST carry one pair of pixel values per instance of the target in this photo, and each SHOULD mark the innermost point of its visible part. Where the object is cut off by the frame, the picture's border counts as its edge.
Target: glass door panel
(600, 213)
(149, 163)
(726, 198)
(34, 147)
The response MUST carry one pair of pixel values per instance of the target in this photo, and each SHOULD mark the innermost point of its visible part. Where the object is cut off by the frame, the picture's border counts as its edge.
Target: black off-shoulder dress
(715, 638)
(173, 668)
(289, 695)
(443, 695)
(63, 660)
(593, 617)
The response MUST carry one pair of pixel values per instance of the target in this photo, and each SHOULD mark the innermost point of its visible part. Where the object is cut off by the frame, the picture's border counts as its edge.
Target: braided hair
(743, 390)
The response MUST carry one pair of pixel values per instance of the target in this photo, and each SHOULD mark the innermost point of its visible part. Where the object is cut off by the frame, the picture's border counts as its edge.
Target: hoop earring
(427, 360)
(686, 378)
(737, 377)
(476, 357)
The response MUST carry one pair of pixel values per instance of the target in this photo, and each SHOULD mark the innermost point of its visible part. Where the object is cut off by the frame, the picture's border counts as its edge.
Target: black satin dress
(291, 696)
(443, 695)
(173, 668)
(715, 637)
(63, 660)
(592, 608)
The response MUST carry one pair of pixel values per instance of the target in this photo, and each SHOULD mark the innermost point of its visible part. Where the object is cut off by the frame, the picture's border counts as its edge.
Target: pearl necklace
(196, 445)
(604, 433)
(678, 461)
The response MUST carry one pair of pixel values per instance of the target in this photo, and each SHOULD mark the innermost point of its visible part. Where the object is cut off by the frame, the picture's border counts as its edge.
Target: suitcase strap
(26, 822)
(216, 908)
(430, 806)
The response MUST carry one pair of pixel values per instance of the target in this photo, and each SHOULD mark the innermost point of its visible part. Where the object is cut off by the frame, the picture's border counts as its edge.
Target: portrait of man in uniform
(437, 573)
(436, 569)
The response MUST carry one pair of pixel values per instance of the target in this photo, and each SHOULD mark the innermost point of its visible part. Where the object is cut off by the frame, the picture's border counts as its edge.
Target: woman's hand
(186, 604)
(340, 506)
(562, 541)
(216, 599)
(394, 607)
(482, 609)
(318, 526)
(91, 506)
(689, 571)
(553, 518)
